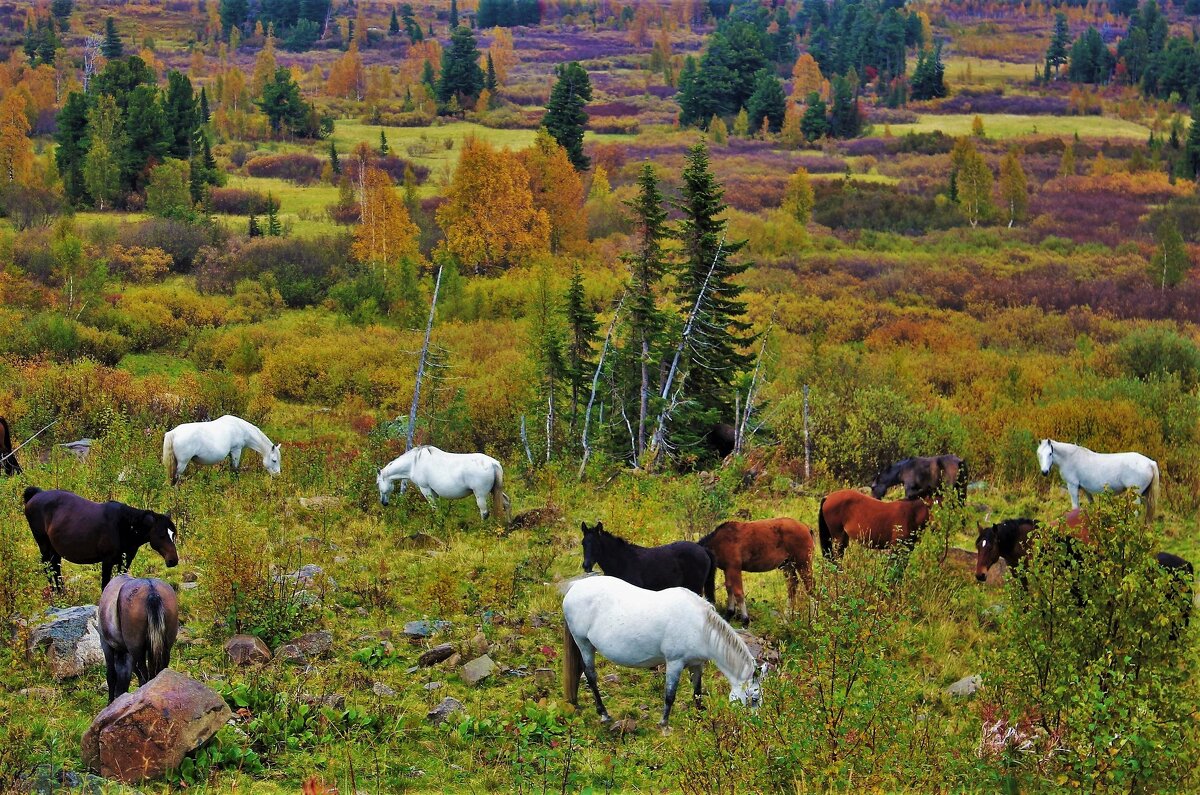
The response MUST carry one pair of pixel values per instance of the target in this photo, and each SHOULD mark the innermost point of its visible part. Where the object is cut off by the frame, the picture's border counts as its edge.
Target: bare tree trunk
(587, 416)
(412, 412)
(807, 449)
(643, 399)
(739, 435)
(525, 441)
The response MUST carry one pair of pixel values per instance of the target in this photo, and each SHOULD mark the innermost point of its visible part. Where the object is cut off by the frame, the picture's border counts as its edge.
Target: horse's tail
(5, 439)
(500, 503)
(572, 666)
(1152, 492)
(710, 582)
(823, 531)
(156, 632)
(29, 492)
(168, 456)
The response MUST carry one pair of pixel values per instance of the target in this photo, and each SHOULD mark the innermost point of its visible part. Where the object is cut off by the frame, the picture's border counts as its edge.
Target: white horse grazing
(641, 629)
(1095, 472)
(450, 475)
(212, 442)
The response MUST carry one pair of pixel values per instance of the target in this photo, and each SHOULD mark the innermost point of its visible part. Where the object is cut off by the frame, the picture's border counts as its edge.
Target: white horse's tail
(500, 503)
(168, 457)
(1152, 492)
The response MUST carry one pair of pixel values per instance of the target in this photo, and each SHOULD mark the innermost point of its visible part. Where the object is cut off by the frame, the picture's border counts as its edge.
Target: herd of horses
(653, 606)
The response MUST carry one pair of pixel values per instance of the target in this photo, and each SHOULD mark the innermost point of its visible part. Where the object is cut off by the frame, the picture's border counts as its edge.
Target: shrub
(240, 201)
(180, 240)
(303, 169)
(303, 268)
(1158, 352)
(138, 264)
(860, 205)
(392, 164)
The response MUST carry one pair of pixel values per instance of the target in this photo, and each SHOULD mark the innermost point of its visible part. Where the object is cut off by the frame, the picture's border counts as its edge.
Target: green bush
(1158, 352)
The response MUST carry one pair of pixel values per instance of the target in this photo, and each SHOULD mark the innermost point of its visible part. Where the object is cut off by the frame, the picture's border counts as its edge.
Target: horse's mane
(729, 644)
(716, 530)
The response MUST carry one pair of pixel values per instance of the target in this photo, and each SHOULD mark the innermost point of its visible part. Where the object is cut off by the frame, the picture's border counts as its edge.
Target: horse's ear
(599, 528)
(583, 526)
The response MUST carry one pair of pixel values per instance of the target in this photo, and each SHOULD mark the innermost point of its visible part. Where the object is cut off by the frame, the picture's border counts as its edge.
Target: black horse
(1184, 577)
(68, 527)
(680, 564)
(922, 477)
(8, 459)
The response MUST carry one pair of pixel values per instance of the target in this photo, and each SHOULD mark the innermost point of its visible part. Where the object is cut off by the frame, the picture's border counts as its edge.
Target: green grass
(1006, 125)
(985, 71)
(143, 364)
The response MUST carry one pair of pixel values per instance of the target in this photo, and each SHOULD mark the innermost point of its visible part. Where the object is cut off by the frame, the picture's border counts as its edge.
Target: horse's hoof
(605, 718)
(665, 729)
(745, 621)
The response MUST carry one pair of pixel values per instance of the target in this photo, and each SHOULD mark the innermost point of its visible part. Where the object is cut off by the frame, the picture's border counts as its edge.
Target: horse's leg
(674, 671)
(789, 571)
(122, 673)
(110, 671)
(427, 493)
(588, 654)
(733, 584)
(1073, 490)
(481, 499)
(179, 467)
(235, 458)
(106, 572)
(739, 595)
(696, 671)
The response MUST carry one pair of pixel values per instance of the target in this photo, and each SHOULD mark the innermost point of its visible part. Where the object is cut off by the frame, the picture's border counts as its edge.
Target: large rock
(997, 572)
(247, 650)
(966, 686)
(72, 641)
(310, 576)
(436, 655)
(444, 710)
(424, 628)
(306, 647)
(148, 732)
(477, 670)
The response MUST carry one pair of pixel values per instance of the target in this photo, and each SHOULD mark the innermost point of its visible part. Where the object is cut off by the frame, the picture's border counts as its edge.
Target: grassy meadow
(886, 317)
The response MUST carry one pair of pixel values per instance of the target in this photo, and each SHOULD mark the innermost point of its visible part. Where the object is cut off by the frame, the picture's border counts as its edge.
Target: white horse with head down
(212, 442)
(1094, 472)
(450, 475)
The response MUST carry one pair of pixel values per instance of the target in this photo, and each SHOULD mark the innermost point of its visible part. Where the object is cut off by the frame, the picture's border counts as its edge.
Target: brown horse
(922, 477)
(139, 619)
(68, 527)
(1008, 539)
(848, 515)
(8, 459)
(761, 545)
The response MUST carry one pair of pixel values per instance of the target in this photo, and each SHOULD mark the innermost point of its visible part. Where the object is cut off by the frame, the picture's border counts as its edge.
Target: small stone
(612, 679)
(425, 628)
(435, 655)
(290, 652)
(315, 644)
(41, 694)
(762, 652)
(453, 660)
(334, 701)
(997, 573)
(319, 503)
(544, 676)
(309, 575)
(623, 726)
(431, 686)
(477, 670)
(479, 643)
(247, 650)
(444, 710)
(188, 586)
(382, 690)
(190, 576)
(418, 541)
(966, 686)
(412, 669)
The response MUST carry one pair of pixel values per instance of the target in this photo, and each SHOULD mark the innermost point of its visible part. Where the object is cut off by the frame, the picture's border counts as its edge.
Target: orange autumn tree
(806, 78)
(386, 234)
(16, 150)
(489, 217)
(557, 189)
(346, 77)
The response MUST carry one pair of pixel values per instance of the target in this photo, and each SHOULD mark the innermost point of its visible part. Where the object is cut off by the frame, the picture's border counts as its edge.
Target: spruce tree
(182, 115)
(334, 163)
(489, 78)
(394, 24)
(453, 14)
(647, 267)
(845, 119)
(205, 116)
(1191, 151)
(565, 115)
(274, 229)
(768, 101)
(111, 48)
(383, 144)
(582, 330)
(254, 230)
(714, 356)
(461, 76)
(1056, 54)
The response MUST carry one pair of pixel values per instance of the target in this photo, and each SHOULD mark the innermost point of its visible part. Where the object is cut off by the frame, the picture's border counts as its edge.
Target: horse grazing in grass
(923, 477)
(212, 442)
(450, 475)
(1094, 472)
(8, 459)
(637, 628)
(682, 564)
(139, 619)
(761, 545)
(68, 527)
(1008, 539)
(847, 515)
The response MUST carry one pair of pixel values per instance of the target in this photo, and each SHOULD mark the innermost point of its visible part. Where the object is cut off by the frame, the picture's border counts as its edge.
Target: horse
(212, 442)
(1183, 575)
(68, 527)
(139, 619)
(683, 564)
(1094, 472)
(638, 628)
(451, 475)
(848, 515)
(8, 459)
(922, 477)
(761, 545)
(1008, 539)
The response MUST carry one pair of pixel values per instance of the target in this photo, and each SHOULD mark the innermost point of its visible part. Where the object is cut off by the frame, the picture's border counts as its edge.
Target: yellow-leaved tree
(806, 78)
(489, 217)
(16, 150)
(386, 234)
(557, 189)
(346, 76)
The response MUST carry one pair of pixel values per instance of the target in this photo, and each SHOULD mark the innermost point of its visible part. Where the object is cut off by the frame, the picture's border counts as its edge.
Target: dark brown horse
(68, 527)
(1008, 539)
(761, 545)
(682, 564)
(8, 459)
(139, 619)
(847, 515)
(922, 477)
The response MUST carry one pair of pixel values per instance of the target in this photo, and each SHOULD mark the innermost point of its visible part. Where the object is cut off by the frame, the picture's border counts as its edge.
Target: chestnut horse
(848, 515)
(139, 619)
(761, 545)
(68, 527)
(8, 459)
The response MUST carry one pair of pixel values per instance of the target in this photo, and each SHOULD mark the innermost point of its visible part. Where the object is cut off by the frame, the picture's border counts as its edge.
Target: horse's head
(271, 460)
(1045, 454)
(591, 539)
(880, 485)
(385, 486)
(987, 550)
(160, 532)
(749, 692)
